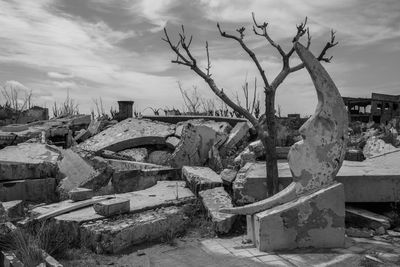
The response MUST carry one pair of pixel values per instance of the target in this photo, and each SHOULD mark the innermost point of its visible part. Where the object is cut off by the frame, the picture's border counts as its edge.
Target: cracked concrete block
(129, 133)
(200, 178)
(173, 142)
(14, 209)
(197, 139)
(112, 207)
(237, 134)
(314, 220)
(228, 176)
(117, 234)
(363, 218)
(80, 193)
(28, 161)
(214, 200)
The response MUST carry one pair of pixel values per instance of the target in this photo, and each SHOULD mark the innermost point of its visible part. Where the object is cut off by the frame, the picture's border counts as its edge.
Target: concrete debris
(112, 207)
(133, 176)
(213, 200)
(159, 157)
(215, 160)
(172, 142)
(163, 194)
(246, 156)
(3, 213)
(228, 176)
(129, 133)
(356, 232)
(200, 178)
(35, 190)
(375, 147)
(79, 194)
(354, 155)
(14, 209)
(28, 161)
(79, 173)
(117, 234)
(357, 217)
(197, 139)
(8, 258)
(135, 154)
(236, 135)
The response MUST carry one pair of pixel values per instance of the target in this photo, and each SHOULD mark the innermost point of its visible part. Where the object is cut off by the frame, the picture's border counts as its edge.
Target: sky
(113, 49)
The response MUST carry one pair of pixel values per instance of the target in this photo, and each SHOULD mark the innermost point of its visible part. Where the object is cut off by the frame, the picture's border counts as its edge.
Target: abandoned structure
(380, 108)
(35, 113)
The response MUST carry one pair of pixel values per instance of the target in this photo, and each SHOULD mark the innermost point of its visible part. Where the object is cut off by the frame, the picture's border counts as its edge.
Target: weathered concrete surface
(172, 141)
(78, 173)
(14, 209)
(3, 213)
(375, 147)
(36, 190)
(314, 220)
(133, 176)
(129, 133)
(197, 139)
(110, 207)
(250, 184)
(159, 157)
(135, 154)
(237, 134)
(28, 161)
(213, 200)
(200, 178)
(117, 234)
(364, 218)
(228, 176)
(163, 194)
(80, 193)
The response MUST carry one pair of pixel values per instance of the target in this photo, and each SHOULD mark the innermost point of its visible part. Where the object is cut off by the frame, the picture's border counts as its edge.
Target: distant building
(380, 108)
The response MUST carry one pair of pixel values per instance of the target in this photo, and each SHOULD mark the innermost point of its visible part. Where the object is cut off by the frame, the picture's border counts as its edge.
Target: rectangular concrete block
(112, 207)
(200, 178)
(36, 190)
(80, 193)
(315, 220)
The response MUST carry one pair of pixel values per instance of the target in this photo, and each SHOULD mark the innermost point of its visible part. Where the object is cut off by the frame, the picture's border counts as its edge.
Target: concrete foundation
(315, 220)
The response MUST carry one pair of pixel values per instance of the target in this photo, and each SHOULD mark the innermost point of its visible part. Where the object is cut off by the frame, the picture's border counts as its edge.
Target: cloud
(58, 75)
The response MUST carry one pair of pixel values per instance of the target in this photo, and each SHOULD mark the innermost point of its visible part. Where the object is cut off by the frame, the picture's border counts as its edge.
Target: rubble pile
(111, 185)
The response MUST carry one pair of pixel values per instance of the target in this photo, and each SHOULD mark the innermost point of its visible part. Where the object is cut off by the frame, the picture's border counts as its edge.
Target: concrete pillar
(125, 109)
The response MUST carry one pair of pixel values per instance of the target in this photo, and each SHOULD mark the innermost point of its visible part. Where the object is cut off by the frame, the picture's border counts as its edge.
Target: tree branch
(249, 52)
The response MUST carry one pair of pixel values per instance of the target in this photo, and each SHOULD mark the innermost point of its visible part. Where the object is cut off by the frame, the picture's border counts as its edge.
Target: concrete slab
(35, 190)
(200, 178)
(28, 161)
(163, 194)
(213, 200)
(315, 220)
(80, 193)
(131, 176)
(364, 218)
(197, 139)
(236, 135)
(115, 235)
(78, 173)
(129, 133)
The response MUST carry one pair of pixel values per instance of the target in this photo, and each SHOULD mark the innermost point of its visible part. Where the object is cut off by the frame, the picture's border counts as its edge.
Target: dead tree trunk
(266, 125)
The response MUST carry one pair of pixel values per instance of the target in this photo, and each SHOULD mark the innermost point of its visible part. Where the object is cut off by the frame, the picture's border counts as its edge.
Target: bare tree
(13, 99)
(192, 99)
(266, 124)
(68, 107)
(250, 105)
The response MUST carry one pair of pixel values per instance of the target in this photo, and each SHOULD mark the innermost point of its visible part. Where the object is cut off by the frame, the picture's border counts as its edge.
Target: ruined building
(380, 108)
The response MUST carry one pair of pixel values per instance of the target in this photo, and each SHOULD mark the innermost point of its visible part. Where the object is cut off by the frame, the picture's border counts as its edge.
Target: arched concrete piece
(315, 160)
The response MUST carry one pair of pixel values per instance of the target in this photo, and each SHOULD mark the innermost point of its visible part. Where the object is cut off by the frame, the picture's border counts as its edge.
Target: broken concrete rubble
(35, 190)
(236, 135)
(80, 193)
(14, 209)
(362, 218)
(28, 161)
(129, 133)
(228, 176)
(116, 234)
(200, 178)
(375, 147)
(159, 157)
(135, 154)
(197, 139)
(213, 200)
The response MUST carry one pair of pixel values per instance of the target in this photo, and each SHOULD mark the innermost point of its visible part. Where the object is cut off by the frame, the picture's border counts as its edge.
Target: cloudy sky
(113, 49)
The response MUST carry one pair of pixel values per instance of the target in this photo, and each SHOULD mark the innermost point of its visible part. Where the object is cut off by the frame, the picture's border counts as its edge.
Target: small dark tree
(266, 124)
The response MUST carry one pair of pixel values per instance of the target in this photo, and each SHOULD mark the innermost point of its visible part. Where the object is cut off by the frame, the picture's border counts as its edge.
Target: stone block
(159, 157)
(112, 207)
(172, 142)
(363, 218)
(314, 220)
(237, 134)
(80, 193)
(228, 176)
(36, 190)
(200, 178)
(213, 200)
(117, 234)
